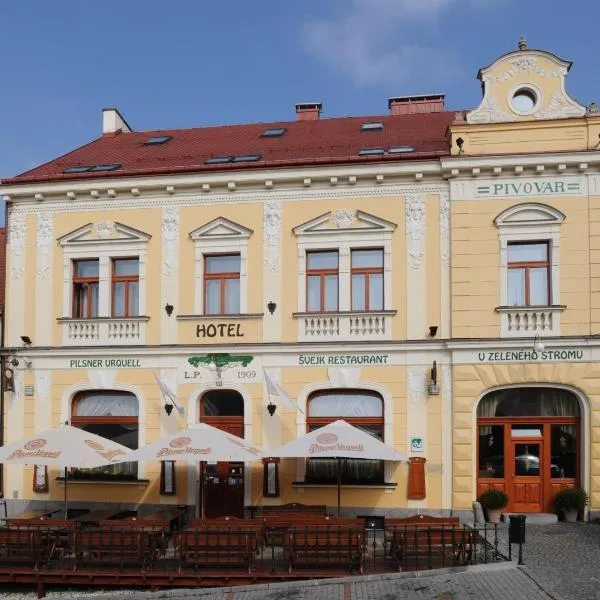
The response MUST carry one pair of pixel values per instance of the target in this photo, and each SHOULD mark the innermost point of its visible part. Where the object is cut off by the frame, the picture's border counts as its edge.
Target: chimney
(409, 105)
(113, 122)
(308, 111)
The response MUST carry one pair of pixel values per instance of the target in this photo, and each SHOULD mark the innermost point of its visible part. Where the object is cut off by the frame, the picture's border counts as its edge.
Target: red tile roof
(320, 142)
(2, 266)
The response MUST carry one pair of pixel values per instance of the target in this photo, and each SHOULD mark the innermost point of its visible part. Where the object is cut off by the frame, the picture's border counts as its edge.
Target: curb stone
(199, 592)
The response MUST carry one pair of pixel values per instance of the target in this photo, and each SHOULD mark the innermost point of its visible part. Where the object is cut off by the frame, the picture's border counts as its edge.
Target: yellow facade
(513, 173)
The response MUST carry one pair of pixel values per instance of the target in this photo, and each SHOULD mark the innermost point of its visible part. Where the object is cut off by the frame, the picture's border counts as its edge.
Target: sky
(189, 63)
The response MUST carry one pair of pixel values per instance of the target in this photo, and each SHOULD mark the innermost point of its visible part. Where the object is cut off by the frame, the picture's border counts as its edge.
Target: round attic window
(524, 100)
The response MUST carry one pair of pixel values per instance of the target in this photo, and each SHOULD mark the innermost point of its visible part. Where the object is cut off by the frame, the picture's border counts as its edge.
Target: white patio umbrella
(64, 447)
(198, 443)
(338, 440)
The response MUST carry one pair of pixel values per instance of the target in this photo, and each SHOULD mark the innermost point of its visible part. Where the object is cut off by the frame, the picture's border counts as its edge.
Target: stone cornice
(267, 181)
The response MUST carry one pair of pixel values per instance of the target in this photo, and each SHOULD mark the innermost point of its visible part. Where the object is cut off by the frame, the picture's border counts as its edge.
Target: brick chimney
(308, 111)
(113, 122)
(409, 105)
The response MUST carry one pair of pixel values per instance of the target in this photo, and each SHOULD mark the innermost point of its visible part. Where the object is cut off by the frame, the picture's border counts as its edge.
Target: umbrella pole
(339, 486)
(66, 517)
(203, 483)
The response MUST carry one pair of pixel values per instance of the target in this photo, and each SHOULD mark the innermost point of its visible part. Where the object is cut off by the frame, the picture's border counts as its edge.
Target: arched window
(529, 402)
(361, 408)
(223, 409)
(112, 415)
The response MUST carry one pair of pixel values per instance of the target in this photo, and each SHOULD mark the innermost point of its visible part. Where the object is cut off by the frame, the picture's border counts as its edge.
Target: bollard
(516, 534)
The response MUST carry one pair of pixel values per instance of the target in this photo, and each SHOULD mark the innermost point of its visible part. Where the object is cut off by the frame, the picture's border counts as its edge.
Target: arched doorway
(529, 445)
(224, 482)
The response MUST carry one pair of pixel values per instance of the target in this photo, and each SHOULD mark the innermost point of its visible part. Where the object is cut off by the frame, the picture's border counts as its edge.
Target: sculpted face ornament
(35, 444)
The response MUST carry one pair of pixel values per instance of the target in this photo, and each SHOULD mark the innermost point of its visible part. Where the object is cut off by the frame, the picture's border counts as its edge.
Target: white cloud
(380, 41)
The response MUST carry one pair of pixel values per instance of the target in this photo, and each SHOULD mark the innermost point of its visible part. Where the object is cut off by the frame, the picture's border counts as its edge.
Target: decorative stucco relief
(415, 383)
(170, 235)
(45, 227)
(560, 107)
(344, 218)
(105, 229)
(16, 238)
(415, 229)
(272, 234)
(445, 228)
(42, 386)
(525, 64)
(489, 112)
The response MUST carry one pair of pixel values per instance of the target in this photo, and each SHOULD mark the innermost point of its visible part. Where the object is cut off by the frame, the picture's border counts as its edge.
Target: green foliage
(493, 499)
(571, 499)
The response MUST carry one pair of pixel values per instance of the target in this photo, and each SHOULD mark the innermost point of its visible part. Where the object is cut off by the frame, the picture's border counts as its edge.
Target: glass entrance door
(526, 491)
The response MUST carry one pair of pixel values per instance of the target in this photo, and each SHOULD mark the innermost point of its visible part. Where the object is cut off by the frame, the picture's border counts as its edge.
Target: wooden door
(224, 488)
(526, 479)
(224, 481)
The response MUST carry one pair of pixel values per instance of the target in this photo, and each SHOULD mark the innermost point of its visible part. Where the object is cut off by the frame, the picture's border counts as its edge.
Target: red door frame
(549, 486)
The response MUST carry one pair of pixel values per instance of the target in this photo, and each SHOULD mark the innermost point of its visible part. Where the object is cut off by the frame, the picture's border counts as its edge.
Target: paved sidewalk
(564, 559)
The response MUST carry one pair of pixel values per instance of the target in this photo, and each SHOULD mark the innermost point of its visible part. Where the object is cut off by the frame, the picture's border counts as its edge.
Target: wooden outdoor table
(94, 516)
(172, 515)
(33, 514)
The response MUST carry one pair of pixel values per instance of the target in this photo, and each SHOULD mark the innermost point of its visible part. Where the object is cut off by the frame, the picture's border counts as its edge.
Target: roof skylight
(371, 151)
(373, 126)
(401, 149)
(274, 132)
(82, 169)
(105, 167)
(90, 168)
(246, 158)
(218, 160)
(158, 139)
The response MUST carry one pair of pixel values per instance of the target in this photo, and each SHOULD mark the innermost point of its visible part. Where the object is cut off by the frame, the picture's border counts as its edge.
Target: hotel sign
(528, 187)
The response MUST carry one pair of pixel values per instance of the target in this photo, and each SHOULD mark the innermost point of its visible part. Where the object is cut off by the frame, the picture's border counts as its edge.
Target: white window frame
(530, 222)
(220, 236)
(371, 232)
(79, 245)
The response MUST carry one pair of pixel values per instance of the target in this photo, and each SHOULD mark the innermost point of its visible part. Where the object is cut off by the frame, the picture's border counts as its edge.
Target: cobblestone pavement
(564, 559)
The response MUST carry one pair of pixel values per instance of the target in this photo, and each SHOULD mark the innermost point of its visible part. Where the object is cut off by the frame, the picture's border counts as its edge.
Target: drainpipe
(3, 357)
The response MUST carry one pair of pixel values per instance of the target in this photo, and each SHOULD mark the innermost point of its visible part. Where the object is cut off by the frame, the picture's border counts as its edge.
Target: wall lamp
(433, 329)
(460, 143)
(271, 306)
(538, 345)
(26, 340)
(271, 408)
(168, 408)
(433, 389)
(169, 309)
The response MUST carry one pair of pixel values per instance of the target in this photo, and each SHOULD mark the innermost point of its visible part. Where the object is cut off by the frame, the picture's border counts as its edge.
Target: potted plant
(493, 501)
(570, 502)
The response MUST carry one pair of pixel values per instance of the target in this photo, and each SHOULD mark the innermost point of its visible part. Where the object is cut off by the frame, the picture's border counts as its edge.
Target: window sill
(348, 486)
(239, 317)
(343, 313)
(137, 482)
(139, 318)
(549, 308)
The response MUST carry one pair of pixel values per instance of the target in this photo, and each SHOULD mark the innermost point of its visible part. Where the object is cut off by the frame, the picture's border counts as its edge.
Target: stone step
(534, 518)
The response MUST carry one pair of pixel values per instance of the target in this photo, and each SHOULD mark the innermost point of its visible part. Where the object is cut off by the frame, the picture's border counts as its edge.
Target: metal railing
(249, 547)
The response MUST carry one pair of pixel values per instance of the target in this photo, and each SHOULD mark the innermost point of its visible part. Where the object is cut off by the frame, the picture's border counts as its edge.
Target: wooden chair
(117, 547)
(217, 547)
(411, 540)
(324, 546)
(25, 546)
